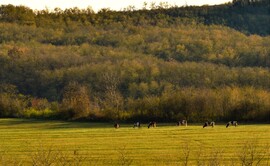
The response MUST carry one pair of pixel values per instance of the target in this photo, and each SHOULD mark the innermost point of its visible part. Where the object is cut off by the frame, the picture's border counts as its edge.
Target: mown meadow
(34, 142)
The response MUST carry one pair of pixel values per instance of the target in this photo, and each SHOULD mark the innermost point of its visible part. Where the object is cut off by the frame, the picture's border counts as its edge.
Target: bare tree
(185, 153)
(251, 154)
(76, 100)
(114, 101)
(44, 156)
(123, 157)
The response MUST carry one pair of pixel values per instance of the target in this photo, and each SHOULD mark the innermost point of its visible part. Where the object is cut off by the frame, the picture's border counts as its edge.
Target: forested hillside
(167, 63)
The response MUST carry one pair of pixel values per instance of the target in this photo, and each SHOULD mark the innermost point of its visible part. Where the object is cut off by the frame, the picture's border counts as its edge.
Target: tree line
(247, 16)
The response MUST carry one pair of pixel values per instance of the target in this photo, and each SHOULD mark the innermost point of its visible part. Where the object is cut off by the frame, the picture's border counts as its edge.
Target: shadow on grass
(50, 124)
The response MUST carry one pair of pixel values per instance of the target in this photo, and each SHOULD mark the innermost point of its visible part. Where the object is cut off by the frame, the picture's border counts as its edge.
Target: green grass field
(31, 142)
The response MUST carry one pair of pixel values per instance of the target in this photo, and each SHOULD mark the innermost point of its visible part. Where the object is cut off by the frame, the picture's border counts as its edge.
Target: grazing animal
(116, 125)
(231, 123)
(206, 124)
(137, 124)
(152, 124)
(182, 123)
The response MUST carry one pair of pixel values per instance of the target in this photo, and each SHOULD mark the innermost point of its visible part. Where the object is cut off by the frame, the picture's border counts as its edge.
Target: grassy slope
(101, 144)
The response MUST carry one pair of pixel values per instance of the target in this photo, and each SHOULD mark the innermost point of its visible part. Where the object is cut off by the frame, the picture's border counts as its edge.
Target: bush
(10, 105)
(39, 114)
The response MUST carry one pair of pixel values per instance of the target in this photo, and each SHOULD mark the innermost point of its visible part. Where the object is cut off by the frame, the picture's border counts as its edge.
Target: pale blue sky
(98, 4)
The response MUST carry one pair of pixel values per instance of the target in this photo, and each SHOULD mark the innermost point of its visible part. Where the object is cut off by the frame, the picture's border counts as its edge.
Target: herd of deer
(180, 123)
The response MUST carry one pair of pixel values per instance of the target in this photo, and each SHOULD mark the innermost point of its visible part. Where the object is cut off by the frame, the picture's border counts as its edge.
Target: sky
(99, 4)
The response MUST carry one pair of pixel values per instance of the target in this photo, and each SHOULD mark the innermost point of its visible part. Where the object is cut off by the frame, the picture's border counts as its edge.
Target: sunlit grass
(101, 144)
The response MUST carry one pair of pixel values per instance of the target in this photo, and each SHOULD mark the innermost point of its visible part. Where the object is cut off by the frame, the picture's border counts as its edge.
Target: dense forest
(165, 63)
